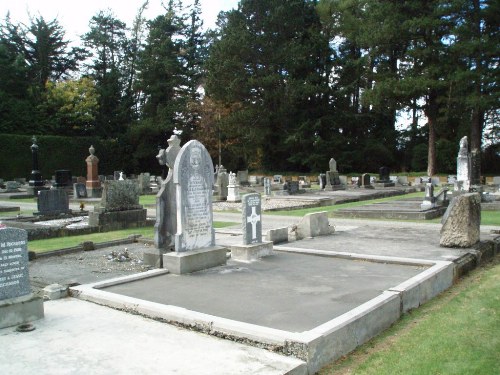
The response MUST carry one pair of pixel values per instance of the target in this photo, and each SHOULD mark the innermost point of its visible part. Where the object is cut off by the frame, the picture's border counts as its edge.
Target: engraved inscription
(13, 269)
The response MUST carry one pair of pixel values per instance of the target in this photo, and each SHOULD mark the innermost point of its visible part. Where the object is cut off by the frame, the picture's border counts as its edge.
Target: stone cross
(253, 219)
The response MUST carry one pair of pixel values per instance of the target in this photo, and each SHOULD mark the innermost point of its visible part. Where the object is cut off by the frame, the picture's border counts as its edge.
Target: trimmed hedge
(57, 152)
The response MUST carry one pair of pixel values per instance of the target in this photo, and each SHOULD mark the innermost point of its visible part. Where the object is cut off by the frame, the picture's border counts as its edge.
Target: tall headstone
(463, 167)
(366, 181)
(193, 177)
(475, 169)
(17, 303)
(35, 182)
(252, 222)
(253, 247)
(144, 182)
(429, 199)
(93, 184)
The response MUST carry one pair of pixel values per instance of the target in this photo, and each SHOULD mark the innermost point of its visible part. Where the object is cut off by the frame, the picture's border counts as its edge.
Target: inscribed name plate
(14, 277)
(194, 179)
(252, 218)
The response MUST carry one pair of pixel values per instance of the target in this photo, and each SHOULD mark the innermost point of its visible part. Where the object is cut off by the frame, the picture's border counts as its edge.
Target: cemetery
(280, 190)
(277, 283)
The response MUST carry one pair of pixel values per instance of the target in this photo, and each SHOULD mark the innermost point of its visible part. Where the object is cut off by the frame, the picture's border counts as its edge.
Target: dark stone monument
(35, 181)
(17, 303)
(52, 202)
(62, 178)
(366, 181)
(384, 178)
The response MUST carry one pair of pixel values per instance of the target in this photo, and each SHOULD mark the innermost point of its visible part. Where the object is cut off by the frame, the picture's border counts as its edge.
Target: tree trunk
(431, 111)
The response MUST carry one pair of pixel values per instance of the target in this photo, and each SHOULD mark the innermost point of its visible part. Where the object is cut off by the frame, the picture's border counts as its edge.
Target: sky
(74, 16)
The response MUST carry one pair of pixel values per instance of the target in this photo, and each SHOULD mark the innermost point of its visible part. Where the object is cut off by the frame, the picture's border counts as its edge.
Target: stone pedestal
(20, 310)
(180, 263)
(233, 193)
(252, 252)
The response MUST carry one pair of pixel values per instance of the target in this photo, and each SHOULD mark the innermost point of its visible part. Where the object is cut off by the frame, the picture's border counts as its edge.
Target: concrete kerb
(318, 346)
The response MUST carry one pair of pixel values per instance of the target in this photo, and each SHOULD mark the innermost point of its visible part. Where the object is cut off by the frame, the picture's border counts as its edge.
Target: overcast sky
(74, 16)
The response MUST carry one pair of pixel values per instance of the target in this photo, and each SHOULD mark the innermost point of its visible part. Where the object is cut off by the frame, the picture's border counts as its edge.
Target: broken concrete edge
(85, 246)
(316, 347)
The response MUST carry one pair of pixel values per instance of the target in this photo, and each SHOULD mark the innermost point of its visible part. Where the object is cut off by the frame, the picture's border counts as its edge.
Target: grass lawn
(41, 246)
(455, 333)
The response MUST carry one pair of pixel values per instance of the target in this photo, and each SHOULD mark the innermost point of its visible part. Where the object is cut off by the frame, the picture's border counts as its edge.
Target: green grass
(41, 246)
(456, 333)
(147, 199)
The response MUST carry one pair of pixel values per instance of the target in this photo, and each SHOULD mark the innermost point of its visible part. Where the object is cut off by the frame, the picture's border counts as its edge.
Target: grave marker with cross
(252, 218)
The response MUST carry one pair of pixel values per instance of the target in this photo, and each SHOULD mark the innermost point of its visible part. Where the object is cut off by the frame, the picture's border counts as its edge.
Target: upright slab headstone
(79, 190)
(429, 199)
(242, 178)
(366, 181)
(253, 248)
(144, 184)
(267, 186)
(252, 223)
(463, 167)
(332, 177)
(322, 181)
(17, 304)
(193, 178)
(52, 202)
(384, 174)
(93, 184)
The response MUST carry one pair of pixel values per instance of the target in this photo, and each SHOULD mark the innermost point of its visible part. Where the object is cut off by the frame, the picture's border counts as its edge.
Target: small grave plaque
(14, 278)
(252, 218)
(79, 190)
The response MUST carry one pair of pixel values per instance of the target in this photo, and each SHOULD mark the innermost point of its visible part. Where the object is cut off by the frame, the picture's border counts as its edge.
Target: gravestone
(384, 178)
(267, 186)
(79, 190)
(193, 178)
(62, 178)
(233, 189)
(277, 178)
(461, 221)
(253, 247)
(144, 184)
(166, 207)
(17, 303)
(162, 160)
(12, 186)
(252, 223)
(366, 181)
(222, 183)
(52, 203)
(291, 187)
(463, 167)
(322, 181)
(93, 184)
(242, 178)
(332, 177)
(119, 207)
(429, 199)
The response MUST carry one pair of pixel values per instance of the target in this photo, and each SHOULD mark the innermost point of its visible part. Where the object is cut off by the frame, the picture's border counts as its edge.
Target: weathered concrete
(461, 221)
(194, 260)
(251, 252)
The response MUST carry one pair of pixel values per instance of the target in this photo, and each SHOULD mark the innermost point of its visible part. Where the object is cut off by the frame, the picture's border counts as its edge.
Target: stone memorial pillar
(18, 305)
(93, 184)
(463, 167)
(267, 186)
(193, 178)
(222, 183)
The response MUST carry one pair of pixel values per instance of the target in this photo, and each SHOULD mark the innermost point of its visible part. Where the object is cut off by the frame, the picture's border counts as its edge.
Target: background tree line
(278, 85)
